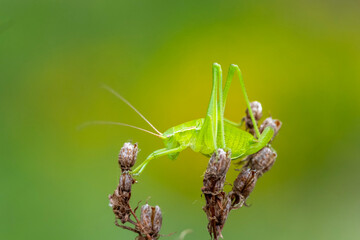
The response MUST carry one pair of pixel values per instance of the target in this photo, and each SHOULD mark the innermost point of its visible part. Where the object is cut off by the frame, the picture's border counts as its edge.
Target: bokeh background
(300, 59)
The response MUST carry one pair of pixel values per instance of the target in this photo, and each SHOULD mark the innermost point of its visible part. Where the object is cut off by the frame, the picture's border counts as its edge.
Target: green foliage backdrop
(300, 59)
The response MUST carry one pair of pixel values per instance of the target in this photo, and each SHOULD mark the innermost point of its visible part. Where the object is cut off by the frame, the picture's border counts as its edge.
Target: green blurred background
(300, 59)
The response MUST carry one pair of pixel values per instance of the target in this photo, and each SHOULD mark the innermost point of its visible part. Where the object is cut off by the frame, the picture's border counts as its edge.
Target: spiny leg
(217, 74)
(232, 69)
(268, 132)
(154, 155)
(208, 133)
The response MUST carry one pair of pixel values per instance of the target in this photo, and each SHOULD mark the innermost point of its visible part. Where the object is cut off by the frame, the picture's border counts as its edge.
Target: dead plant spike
(149, 225)
(218, 204)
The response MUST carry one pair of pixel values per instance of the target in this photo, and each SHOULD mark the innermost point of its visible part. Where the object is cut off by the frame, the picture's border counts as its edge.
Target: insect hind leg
(232, 70)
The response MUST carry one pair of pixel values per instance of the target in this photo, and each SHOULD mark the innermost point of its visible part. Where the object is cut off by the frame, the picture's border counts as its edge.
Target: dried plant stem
(217, 202)
(126, 227)
(148, 227)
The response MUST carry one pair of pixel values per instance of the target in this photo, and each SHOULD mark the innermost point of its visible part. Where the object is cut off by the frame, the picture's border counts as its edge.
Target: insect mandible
(206, 135)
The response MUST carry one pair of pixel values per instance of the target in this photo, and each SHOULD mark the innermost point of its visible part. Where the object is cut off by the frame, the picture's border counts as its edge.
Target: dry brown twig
(149, 225)
(218, 204)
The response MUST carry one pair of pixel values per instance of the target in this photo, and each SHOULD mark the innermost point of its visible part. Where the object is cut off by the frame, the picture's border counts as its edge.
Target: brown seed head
(263, 160)
(119, 200)
(151, 220)
(256, 108)
(120, 206)
(222, 210)
(243, 185)
(215, 174)
(219, 164)
(269, 122)
(125, 183)
(127, 156)
(157, 220)
(146, 213)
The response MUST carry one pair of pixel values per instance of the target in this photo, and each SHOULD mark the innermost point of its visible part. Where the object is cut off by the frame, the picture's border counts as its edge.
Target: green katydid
(206, 135)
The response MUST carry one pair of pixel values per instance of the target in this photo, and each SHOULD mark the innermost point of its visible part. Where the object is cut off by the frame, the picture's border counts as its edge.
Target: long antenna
(116, 123)
(129, 104)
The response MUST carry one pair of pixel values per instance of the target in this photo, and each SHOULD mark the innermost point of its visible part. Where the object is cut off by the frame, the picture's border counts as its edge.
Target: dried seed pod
(151, 220)
(119, 200)
(218, 204)
(269, 122)
(127, 156)
(217, 209)
(263, 160)
(120, 206)
(243, 185)
(215, 174)
(219, 164)
(146, 213)
(157, 220)
(125, 183)
(256, 109)
(221, 213)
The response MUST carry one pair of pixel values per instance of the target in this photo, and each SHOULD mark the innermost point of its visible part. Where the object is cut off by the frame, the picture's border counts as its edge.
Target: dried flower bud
(263, 160)
(243, 185)
(146, 213)
(157, 220)
(221, 212)
(120, 206)
(256, 109)
(215, 174)
(219, 164)
(119, 200)
(127, 156)
(125, 183)
(269, 122)
(151, 220)
(217, 209)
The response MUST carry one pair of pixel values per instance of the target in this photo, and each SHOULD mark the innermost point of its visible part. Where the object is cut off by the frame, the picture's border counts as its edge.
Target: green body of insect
(189, 134)
(206, 135)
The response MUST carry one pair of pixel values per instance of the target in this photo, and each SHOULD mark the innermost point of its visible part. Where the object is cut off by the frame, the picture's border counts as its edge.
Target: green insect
(206, 135)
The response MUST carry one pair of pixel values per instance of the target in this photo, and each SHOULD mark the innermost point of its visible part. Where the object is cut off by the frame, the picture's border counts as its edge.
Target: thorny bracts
(218, 203)
(149, 226)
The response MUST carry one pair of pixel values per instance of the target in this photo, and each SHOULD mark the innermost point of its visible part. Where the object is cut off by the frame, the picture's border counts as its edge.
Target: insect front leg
(154, 155)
